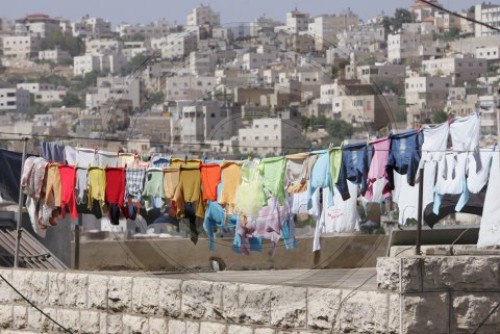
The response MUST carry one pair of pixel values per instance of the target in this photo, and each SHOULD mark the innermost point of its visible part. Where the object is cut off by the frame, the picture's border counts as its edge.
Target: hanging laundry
(377, 171)
(299, 204)
(465, 133)
(10, 177)
(489, 230)
(215, 217)
(231, 180)
(52, 152)
(96, 187)
(69, 155)
(435, 142)
(335, 164)
(210, 179)
(273, 176)
(477, 178)
(244, 241)
(177, 163)
(189, 189)
(82, 185)
(298, 171)
(404, 156)
(32, 183)
(321, 176)
(107, 159)
(53, 186)
(451, 181)
(86, 158)
(406, 197)
(115, 192)
(160, 161)
(126, 160)
(68, 182)
(170, 181)
(354, 168)
(250, 197)
(154, 193)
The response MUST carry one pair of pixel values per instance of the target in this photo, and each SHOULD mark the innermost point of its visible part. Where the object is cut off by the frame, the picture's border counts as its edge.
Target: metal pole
(20, 208)
(77, 241)
(420, 211)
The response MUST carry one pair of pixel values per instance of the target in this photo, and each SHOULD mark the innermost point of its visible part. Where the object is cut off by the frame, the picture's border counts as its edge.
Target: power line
(460, 15)
(34, 306)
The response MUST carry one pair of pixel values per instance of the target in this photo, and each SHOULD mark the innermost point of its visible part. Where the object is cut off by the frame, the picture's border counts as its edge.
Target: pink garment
(377, 168)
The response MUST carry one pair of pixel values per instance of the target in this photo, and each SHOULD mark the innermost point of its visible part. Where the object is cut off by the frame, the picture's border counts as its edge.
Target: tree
(135, 63)
(439, 117)
(72, 100)
(401, 16)
(339, 129)
(156, 98)
(64, 41)
(89, 79)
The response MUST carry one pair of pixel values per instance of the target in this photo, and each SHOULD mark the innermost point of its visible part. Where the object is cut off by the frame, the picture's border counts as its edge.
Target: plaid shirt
(134, 183)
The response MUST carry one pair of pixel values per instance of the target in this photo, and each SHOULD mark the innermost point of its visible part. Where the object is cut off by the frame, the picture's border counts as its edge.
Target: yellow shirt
(231, 180)
(97, 185)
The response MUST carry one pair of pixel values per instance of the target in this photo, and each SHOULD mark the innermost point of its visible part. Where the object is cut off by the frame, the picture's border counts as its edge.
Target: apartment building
(56, 56)
(381, 73)
(43, 92)
(487, 13)
(324, 28)
(36, 25)
(489, 53)
(156, 29)
(262, 25)
(189, 87)
(263, 56)
(100, 45)
(14, 99)
(297, 21)
(202, 15)
(20, 47)
(202, 63)
(91, 27)
(178, 45)
(107, 62)
(461, 70)
(115, 89)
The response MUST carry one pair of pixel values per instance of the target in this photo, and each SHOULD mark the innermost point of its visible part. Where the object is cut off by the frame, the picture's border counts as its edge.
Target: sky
(131, 11)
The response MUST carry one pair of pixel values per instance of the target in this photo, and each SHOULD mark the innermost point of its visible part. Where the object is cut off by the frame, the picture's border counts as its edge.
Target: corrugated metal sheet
(32, 254)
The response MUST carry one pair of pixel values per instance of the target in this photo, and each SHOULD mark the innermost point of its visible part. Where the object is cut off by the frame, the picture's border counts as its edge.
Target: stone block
(98, 292)
(6, 292)
(469, 310)
(20, 317)
(133, 324)
(38, 287)
(212, 328)
(6, 316)
(426, 313)
(21, 280)
(114, 324)
(235, 329)
(288, 307)
(119, 293)
(201, 300)
(57, 288)
(90, 322)
(103, 323)
(388, 272)
(230, 305)
(192, 327)
(362, 312)
(254, 304)
(169, 294)
(145, 298)
(70, 319)
(322, 305)
(158, 326)
(469, 273)
(394, 312)
(76, 288)
(176, 326)
(46, 325)
(264, 331)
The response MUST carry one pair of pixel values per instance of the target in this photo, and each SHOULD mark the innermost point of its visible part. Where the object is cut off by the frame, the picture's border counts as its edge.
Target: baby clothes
(115, 185)
(68, 180)
(53, 186)
(86, 158)
(377, 170)
(273, 174)
(154, 193)
(404, 156)
(354, 168)
(134, 184)
(489, 230)
(170, 181)
(97, 186)
(210, 179)
(82, 183)
(298, 171)
(189, 190)
(250, 196)
(321, 177)
(231, 180)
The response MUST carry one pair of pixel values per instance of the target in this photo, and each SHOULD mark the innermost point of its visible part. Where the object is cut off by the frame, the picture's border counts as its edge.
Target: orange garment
(210, 179)
(170, 181)
(189, 190)
(231, 180)
(53, 186)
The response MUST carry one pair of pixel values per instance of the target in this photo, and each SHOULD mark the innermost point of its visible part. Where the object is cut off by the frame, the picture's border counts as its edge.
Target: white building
(266, 136)
(114, 89)
(489, 53)
(422, 11)
(461, 70)
(263, 24)
(189, 87)
(264, 55)
(487, 13)
(14, 99)
(384, 72)
(202, 15)
(360, 38)
(56, 56)
(325, 28)
(102, 45)
(91, 27)
(297, 21)
(36, 25)
(405, 47)
(202, 63)
(112, 63)
(43, 92)
(35, 87)
(20, 47)
(178, 45)
(150, 30)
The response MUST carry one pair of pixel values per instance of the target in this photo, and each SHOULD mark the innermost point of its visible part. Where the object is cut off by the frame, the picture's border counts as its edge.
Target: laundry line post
(418, 245)
(77, 241)
(20, 208)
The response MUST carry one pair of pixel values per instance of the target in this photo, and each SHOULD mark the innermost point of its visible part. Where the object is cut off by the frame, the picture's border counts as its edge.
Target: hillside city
(263, 88)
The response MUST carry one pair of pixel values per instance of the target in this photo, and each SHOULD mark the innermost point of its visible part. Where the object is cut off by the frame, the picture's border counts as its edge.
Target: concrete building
(263, 56)
(362, 105)
(359, 37)
(445, 22)
(42, 92)
(13, 99)
(422, 11)
(401, 47)
(377, 73)
(325, 28)
(487, 13)
(20, 47)
(112, 63)
(155, 127)
(489, 53)
(36, 25)
(202, 63)
(263, 25)
(425, 95)
(56, 56)
(270, 136)
(297, 21)
(461, 70)
(91, 27)
(101, 45)
(189, 87)
(202, 15)
(156, 29)
(178, 45)
(115, 89)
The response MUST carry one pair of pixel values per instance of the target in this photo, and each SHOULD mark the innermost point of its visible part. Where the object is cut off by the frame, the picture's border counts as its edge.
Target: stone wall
(444, 294)
(121, 303)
